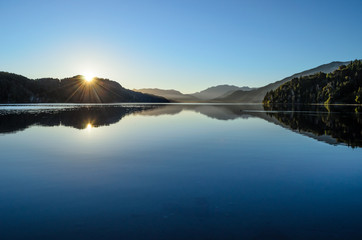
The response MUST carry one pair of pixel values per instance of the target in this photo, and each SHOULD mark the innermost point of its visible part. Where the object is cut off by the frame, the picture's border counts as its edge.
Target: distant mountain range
(219, 91)
(202, 96)
(234, 94)
(172, 95)
(257, 95)
(19, 89)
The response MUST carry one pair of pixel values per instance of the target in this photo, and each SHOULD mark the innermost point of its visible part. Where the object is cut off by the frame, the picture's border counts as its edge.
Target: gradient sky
(187, 45)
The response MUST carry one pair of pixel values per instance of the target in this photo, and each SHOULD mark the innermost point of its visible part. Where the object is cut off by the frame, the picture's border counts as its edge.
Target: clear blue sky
(186, 45)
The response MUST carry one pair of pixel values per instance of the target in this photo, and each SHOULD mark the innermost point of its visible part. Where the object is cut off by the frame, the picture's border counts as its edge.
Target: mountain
(170, 94)
(19, 89)
(202, 96)
(218, 91)
(343, 86)
(257, 95)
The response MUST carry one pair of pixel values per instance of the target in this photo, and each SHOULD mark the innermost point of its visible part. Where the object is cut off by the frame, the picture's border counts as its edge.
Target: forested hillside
(344, 85)
(18, 89)
(257, 95)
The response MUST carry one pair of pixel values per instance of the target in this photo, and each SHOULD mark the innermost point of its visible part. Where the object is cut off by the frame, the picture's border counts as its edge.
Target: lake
(180, 171)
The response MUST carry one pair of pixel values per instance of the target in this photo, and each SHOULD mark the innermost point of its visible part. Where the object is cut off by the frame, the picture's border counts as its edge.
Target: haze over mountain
(202, 96)
(234, 94)
(170, 94)
(257, 95)
(218, 91)
(19, 89)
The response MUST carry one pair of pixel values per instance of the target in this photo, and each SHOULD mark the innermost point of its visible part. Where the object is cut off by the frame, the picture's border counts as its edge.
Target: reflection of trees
(340, 122)
(218, 111)
(332, 125)
(77, 117)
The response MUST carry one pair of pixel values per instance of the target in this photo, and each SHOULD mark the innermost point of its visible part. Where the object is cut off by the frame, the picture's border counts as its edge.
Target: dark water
(180, 172)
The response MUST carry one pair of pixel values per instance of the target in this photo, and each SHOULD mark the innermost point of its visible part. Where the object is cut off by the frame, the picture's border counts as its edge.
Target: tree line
(343, 86)
(19, 89)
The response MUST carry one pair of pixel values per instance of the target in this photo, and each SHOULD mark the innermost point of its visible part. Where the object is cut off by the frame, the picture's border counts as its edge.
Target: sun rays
(90, 89)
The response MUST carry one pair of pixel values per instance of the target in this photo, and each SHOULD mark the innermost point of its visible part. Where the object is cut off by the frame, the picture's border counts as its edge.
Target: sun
(89, 126)
(88, 77)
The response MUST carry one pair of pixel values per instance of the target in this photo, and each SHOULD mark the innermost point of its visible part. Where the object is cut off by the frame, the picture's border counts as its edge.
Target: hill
(257, 95)
(202, 96)
(343, 86)
(218, 91)
(172, 95)
(19, 89)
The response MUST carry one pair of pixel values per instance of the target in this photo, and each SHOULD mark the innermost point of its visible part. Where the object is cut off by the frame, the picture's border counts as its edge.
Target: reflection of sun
(88, 77)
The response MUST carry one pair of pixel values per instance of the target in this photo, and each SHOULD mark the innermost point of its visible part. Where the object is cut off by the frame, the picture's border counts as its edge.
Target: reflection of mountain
(333, 126)
(78, 117)
(340, 124)
(220, 112)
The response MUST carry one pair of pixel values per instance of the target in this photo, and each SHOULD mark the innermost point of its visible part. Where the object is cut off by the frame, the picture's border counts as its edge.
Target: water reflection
(174, 172)
(79, 117)
(333, 125)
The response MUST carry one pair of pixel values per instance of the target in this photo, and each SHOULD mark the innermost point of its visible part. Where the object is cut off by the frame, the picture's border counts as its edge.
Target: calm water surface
(179, 172)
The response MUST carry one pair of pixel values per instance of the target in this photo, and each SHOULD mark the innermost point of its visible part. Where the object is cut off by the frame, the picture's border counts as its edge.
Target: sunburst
(88, 77)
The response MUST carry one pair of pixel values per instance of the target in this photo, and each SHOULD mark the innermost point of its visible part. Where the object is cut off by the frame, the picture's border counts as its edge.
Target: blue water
(174, 172)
